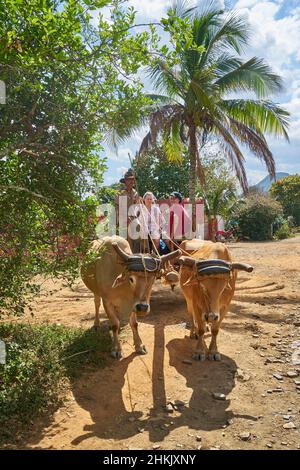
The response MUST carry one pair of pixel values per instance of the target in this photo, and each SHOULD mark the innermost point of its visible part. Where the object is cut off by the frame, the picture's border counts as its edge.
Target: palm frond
(225, 63)
(256, 143)
(232, 152)
(198, 98)
(172, 144)
(160, 120)
(263, 116)
(182, 9)
(160, 99)
(165, 79)
(254, 75)
(200, 27)
(231, 33)
(146, 143)
(204, 22)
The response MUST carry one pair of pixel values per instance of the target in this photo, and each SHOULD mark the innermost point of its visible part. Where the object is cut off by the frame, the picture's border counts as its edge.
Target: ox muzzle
(141, 309)
(210, 317)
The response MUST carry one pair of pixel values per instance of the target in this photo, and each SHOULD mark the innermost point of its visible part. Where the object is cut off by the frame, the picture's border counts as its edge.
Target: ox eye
(131, 279)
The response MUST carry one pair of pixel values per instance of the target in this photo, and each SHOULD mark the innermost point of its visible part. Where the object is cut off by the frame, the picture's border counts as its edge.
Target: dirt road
(123, 405)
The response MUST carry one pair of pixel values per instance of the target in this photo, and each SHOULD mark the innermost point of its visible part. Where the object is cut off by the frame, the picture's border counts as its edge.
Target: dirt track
(122, 406)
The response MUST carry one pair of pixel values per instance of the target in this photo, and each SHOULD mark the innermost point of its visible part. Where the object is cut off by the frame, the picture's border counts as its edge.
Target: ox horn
(242, 267)
(170, 256)
(125, 256)
(187, 261)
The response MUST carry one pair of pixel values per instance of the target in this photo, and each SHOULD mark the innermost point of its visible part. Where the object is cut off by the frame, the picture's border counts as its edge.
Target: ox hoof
(141, 350)
(96, 327)
(199, 356)
(116, 354)
(214, 356)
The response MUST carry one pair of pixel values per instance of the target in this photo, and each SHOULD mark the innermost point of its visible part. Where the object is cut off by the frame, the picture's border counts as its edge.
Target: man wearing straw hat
(125, 202)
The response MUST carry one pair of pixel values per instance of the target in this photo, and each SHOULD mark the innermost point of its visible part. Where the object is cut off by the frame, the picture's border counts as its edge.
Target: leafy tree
(220, 189)
(154, 172)
(193, 100)
(287, 192)
(256, 216)
(70, 83)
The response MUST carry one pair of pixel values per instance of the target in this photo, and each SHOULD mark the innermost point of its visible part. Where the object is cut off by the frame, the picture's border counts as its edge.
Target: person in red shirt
(179, 221)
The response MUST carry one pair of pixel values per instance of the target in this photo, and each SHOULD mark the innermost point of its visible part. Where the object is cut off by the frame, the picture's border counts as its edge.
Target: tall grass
(40, 364)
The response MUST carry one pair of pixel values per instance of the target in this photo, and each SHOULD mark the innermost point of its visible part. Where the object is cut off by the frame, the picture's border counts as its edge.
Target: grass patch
(41, 361)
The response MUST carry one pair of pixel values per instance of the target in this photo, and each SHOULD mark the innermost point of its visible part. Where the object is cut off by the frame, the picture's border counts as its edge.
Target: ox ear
(118, 281)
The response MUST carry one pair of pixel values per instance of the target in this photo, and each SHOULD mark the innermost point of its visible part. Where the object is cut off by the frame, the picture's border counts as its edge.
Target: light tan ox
(123, 281)
(207, 279)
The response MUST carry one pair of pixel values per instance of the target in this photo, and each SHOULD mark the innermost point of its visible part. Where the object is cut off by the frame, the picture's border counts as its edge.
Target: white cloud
(246, 3)
(275, 39)
(121, 170)
(254, 176)
(153, 9)
(293, 106)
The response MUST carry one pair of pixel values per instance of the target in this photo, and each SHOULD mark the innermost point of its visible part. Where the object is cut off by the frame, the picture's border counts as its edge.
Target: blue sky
(276, 38)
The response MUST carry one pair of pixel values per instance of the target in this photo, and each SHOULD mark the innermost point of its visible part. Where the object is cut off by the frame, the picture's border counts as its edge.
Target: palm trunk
(213, 228)
(193, 151)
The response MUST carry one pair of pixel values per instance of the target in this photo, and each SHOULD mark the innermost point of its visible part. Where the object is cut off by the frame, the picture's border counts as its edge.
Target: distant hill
(265, 184)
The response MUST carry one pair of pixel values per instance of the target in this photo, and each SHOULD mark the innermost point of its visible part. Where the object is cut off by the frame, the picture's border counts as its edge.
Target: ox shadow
(101, 394)
(201, 411)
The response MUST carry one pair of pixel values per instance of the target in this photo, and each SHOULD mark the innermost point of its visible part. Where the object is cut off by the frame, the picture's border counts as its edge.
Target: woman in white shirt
(150, 219)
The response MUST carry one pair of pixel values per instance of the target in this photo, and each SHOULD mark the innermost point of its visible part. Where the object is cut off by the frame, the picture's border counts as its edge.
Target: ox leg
(190, 310)
(139, 347)
(201, 349)
(213, 353)
(116, 351)
(97, 301)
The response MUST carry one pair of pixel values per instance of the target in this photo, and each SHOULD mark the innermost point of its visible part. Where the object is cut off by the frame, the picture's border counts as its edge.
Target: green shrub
(256, 216)
(40, 361)
(284, 231)
(287, 192)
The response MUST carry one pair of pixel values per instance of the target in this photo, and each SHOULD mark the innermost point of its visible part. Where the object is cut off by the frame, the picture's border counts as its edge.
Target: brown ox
(123, 281)
(207, 279)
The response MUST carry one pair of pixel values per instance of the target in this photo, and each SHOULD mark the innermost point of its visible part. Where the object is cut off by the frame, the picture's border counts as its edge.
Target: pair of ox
(124, 282)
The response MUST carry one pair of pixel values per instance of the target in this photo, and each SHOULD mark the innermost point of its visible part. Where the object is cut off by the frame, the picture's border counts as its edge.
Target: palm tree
(197, 98)
(221, 200)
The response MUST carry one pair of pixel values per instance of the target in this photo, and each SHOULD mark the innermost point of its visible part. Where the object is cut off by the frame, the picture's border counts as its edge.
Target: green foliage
(106, 194)
(155, 173)
(71, 83)
(220, 189)
(284, 231)
(287, 192)
(256, 216)
(38, 369)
